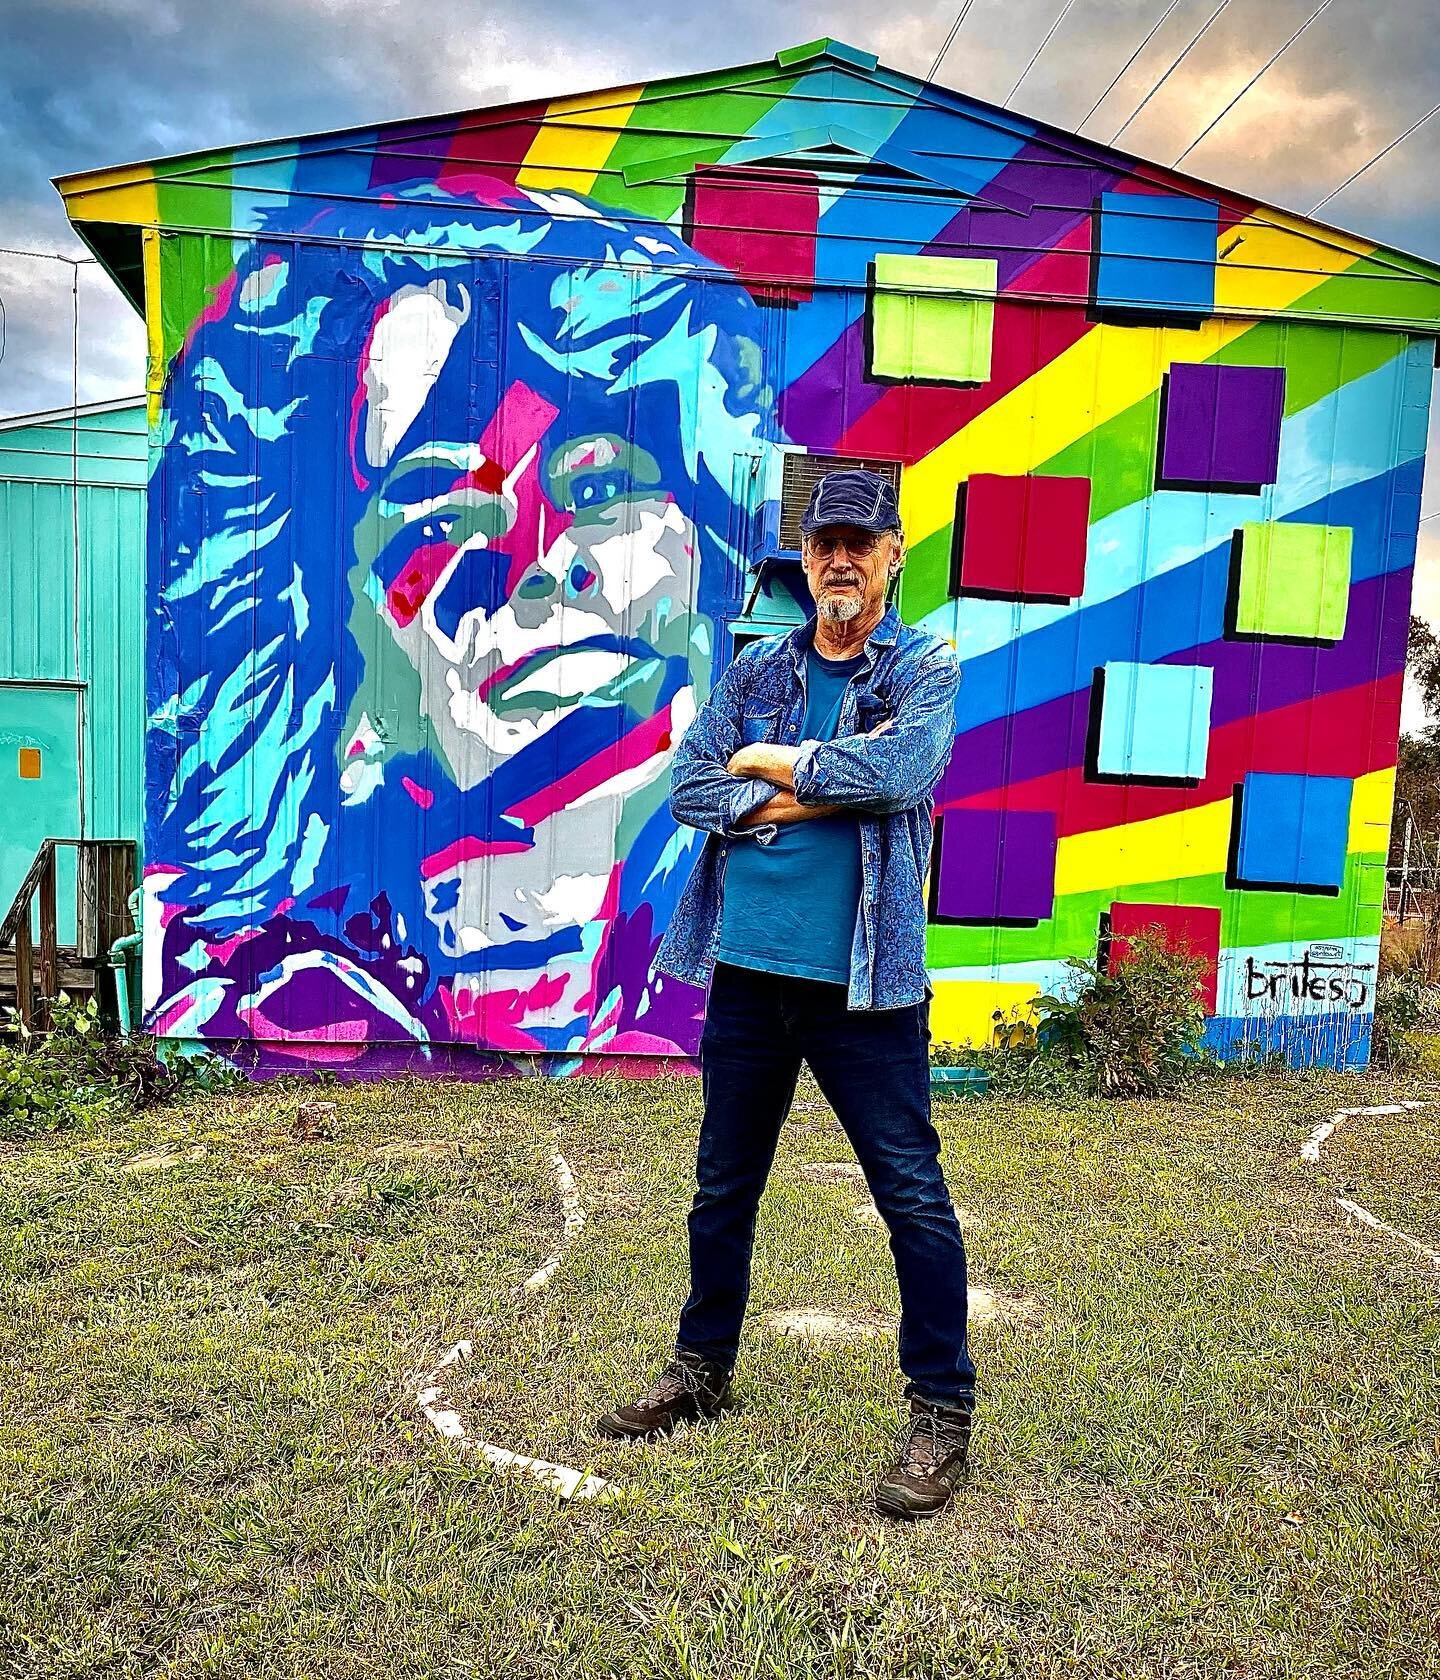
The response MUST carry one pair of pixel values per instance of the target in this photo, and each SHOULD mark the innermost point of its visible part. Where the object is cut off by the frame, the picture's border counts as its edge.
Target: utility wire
(1190, 45)
(949, 39)
(46, 256)
(1336, 191)
(1267, 65)
(1060, 17)
(1119, 74)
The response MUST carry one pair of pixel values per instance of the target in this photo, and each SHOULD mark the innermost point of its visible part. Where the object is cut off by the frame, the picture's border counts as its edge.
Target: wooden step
(72, 974)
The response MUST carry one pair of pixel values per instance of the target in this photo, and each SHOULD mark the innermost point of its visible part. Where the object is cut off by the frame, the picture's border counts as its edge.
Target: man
(812, 768)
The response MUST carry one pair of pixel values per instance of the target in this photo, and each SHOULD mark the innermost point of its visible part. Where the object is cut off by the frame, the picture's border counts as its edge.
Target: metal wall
(469, 434)
(72, 576)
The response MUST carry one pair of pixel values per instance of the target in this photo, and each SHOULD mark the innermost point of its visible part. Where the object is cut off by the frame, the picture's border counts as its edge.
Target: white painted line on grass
(1367, 1218)
(574, 1217)
(431, 1400)
(1310, 1149)
(1310, 1152)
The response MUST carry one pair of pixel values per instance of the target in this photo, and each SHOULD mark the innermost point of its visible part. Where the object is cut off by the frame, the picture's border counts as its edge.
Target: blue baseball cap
(852, 496)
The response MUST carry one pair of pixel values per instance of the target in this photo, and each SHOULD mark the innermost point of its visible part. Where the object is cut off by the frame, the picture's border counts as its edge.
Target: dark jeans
(873, 1067)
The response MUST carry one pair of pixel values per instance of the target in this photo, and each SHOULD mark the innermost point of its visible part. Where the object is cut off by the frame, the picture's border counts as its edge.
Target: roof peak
(826, 47)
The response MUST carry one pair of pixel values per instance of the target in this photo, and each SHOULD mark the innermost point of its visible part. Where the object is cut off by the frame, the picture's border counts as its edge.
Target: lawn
(1209, 1443)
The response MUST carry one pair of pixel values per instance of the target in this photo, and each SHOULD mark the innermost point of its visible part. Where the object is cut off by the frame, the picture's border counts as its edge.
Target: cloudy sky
(91, 82)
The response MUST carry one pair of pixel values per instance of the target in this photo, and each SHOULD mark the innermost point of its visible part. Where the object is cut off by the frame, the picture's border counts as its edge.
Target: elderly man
(812, 767)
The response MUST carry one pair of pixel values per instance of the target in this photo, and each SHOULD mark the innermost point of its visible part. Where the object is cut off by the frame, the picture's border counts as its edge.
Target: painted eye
(596, 489)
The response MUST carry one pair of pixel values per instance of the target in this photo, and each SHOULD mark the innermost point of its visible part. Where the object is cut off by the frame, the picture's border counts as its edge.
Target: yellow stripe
(575, 140)
(1099, 376)
(1109, 370)
(1183, 844)
(1370, 808)
(1168, 848)
(963, 1011)
(128, 196)
(1253, 271)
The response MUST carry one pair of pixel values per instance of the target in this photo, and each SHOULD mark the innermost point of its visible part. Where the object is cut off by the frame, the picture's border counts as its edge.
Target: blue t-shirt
(790, 906)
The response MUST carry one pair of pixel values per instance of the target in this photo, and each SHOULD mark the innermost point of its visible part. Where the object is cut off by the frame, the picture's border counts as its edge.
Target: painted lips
(560, 676)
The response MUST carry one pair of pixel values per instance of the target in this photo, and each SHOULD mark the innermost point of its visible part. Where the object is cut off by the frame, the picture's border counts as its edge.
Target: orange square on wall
(29, 764)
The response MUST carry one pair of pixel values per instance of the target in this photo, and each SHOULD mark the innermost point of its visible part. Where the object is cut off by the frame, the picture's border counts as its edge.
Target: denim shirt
(908, 680)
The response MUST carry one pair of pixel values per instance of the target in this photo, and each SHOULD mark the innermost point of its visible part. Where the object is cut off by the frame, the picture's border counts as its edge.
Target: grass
(1209, 1445)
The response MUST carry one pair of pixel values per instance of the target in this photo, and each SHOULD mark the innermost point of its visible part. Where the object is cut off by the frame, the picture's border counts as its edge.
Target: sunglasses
(859, 546)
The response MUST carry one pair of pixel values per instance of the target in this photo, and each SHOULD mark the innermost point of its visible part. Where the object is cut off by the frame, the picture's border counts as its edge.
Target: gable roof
(863, 130)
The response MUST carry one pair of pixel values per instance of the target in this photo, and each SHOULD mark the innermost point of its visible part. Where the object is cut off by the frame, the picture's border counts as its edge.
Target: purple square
(1220, 426)
(995, 866)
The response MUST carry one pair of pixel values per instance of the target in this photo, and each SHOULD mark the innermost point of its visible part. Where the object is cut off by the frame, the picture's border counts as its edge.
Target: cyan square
(1294, 831)
(1154, 721)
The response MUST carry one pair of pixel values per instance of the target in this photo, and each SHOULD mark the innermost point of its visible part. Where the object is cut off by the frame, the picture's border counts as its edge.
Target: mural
(469, 434)
(431, 612)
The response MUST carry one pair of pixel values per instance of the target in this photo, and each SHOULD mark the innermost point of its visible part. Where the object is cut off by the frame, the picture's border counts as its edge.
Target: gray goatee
(839, 609)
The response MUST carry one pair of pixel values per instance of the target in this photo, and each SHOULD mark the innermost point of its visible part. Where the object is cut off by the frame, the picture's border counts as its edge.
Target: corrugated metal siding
(42, 636)
(310, 803)
(37, 583)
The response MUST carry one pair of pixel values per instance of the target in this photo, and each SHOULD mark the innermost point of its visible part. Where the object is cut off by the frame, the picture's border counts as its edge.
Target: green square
(923, 328)
(1294, 581)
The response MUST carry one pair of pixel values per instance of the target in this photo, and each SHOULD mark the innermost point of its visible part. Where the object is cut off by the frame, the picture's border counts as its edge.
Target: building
(478, 444)
(72, 688)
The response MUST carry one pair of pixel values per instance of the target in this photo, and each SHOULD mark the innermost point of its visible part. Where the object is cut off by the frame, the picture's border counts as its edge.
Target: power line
(1119, 74)
(1335, 192)
(1190, 45)
(1267, 65)
(46, 256)
(1060, 17)
(949, 39)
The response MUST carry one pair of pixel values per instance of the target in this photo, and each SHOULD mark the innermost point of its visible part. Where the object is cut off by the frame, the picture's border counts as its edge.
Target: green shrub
(77, 1075)
(1134, 1030)
(1400, 1006)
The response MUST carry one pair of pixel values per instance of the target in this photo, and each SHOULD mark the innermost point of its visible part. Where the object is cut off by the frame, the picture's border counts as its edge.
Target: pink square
(1022, 538)
(759, 223)
(1193, 927)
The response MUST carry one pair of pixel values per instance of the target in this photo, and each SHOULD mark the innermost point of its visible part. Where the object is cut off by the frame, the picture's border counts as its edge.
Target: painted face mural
(482, 620)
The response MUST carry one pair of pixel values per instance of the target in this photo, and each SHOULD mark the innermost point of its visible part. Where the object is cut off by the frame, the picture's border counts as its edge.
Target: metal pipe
(119, 964)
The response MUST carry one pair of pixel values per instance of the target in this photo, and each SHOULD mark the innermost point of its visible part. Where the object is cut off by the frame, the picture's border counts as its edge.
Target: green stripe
(202, 199)
(1247, 917)
(692, 120)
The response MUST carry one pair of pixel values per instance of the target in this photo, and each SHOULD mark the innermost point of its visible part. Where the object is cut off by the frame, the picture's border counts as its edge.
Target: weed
(77, 1074)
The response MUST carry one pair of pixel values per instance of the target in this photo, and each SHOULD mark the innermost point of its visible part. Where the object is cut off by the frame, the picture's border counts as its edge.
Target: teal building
(72, 686)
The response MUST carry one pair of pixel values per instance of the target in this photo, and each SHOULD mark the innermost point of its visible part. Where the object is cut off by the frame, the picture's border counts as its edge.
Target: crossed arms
(721, 785)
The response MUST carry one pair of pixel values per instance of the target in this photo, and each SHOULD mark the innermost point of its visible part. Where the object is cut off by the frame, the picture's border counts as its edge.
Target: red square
(1022, 539)
(1193, 927)
(759, 223)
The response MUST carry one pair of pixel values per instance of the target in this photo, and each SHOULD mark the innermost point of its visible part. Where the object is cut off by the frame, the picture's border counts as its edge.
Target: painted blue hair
(254, 666)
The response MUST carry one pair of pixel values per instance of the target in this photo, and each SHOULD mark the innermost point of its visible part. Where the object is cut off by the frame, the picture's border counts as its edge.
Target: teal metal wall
(72, 574)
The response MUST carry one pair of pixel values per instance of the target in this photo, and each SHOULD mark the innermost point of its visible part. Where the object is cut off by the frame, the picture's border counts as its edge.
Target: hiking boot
(689, 1387)
(932, 1449)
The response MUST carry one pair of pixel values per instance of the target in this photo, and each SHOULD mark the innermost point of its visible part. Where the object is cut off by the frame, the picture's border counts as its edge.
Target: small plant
(1015, 1062)
(1402, 946)
(77, 1074)
(1133, 1028)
